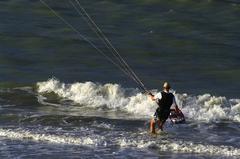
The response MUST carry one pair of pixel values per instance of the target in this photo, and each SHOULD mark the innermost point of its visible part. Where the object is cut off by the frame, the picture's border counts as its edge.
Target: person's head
(166, 86)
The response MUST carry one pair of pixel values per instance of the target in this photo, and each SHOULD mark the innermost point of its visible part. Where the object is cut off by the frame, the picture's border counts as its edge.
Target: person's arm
(177, 110)
(152, 96)
(175, 104)
(156, 97)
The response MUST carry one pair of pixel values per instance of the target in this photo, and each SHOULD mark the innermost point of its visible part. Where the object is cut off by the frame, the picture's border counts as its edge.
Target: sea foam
(182, 147)
(202, 107)
(93, 141)
(54, 139)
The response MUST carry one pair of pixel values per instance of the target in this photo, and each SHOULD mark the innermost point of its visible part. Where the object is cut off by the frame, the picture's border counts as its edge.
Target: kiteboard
(176, 116)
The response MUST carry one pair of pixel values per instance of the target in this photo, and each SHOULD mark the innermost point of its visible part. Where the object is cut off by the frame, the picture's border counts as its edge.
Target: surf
(178, 146)
(114, 97)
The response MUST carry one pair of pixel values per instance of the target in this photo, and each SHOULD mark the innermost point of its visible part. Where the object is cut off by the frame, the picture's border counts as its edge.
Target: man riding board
(165, 100)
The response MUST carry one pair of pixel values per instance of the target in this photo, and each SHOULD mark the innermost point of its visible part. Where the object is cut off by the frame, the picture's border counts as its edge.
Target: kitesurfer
(165, 100)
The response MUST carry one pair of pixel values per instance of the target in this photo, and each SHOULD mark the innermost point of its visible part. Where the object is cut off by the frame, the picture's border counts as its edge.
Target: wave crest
(89, 94)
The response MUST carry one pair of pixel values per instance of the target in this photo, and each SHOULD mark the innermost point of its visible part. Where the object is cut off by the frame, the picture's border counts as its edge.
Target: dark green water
(193, 44)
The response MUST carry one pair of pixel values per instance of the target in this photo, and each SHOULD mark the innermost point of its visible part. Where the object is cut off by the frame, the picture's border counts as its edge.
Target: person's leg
(152, 126)
(153, 122)
(160, 124)
(162, 119)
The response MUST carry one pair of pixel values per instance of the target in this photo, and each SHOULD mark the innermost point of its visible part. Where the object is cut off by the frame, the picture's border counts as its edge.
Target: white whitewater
(203, 107)
(95, 140)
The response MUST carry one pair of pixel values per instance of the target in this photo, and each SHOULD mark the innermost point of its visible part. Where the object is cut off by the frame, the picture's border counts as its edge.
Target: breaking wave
(182, 146)
(114, 97)
(94, 141)
(54, 139)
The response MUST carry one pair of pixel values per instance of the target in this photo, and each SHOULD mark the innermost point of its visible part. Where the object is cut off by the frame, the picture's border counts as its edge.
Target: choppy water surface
(59, 98)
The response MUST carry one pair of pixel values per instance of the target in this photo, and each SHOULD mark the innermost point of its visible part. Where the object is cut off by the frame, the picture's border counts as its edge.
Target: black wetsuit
(164, 104)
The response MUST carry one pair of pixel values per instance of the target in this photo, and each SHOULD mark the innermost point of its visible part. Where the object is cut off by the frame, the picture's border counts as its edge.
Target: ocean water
(60, 98)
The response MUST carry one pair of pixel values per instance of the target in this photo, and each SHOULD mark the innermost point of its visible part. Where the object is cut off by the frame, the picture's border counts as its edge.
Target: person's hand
(149, 93)
(177, 109)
